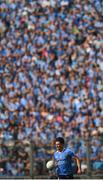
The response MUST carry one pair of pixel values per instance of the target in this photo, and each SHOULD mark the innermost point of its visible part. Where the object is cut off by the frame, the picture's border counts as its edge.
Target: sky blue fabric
(63, 161)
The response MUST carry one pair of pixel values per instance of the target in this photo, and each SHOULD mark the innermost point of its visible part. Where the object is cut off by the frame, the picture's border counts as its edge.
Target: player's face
(59, 146)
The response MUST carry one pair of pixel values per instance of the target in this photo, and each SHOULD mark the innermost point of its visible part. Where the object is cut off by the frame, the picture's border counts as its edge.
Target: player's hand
(79, 171)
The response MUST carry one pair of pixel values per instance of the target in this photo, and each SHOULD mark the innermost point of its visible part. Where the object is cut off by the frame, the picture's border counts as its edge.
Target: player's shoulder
(69, 150)
(56, 152)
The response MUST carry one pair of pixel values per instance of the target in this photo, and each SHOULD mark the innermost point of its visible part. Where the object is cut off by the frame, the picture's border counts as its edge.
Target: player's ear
(53, 142)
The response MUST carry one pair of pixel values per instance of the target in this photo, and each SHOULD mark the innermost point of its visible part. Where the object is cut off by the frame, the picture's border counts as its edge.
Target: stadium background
(51, 84)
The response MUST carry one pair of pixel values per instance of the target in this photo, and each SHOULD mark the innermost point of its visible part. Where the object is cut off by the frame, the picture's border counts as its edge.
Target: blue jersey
(63, 161)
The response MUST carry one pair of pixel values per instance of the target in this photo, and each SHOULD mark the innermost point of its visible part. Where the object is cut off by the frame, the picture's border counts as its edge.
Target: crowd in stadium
(51, 73)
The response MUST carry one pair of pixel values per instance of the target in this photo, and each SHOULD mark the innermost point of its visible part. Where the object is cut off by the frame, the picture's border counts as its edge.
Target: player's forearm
(78, 162)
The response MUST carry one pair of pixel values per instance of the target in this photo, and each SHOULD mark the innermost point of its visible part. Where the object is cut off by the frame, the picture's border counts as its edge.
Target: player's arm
(78, 163)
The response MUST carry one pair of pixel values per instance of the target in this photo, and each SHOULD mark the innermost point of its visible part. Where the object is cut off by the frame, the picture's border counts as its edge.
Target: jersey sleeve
(70, 153)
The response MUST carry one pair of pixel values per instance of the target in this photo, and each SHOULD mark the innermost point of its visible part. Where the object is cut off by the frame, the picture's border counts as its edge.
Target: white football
(50, 164)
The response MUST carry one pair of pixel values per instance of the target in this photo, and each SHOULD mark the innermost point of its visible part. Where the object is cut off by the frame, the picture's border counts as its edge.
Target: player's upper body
(63, 158)
(63, 161)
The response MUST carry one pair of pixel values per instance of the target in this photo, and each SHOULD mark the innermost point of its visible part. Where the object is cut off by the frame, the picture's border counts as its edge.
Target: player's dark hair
(60, 139)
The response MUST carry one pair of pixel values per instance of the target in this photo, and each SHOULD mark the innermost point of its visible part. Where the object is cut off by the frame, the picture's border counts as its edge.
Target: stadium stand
(51, 76)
